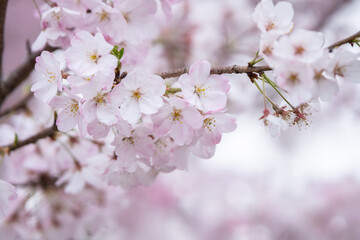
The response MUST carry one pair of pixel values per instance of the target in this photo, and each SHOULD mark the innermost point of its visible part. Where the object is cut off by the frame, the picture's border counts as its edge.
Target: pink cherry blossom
(274, 125)
(298, 79)
(214, 125)
(179, 119)
(89, 54)
(69, 116)
(206, 92)
(100, 107)
(106, 19)
(138, 16)
(326, 86)
(89, 86)
(137, 145)
(276, 19)
(138, 93)
(55, 24)
(302, 45)
(50, 78)
(346, 65)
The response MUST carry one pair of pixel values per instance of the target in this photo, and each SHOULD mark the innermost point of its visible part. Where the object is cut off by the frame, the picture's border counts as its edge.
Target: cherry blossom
(179, 119)
(276, 19)
(88, 54)
(50, 78)
(303, 45)
(206, 92)
(124, 117)
(55, 24)
(69, 116)
(138, 93)
(346, 65)
(214, 125)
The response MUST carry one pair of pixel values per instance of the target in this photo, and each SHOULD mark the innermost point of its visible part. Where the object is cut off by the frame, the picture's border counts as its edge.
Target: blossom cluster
(120, 123)
(153, 128)
(302, 66)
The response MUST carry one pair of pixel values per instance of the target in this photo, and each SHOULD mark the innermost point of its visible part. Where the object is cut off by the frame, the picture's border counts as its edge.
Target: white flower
(303, 45)
(50, 79)
(207, 92)
(277, 19)
(345, 64)
(138, 93)
(89, 54)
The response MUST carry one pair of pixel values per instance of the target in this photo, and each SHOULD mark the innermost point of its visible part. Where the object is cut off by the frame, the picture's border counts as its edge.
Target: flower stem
(270, 101)
(275, 88)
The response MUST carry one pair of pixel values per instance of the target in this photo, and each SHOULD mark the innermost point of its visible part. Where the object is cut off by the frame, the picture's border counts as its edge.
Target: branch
(3, 4)
(246, 69)
(219, 70)
(49, 132)
(349, 39)
(20, 105)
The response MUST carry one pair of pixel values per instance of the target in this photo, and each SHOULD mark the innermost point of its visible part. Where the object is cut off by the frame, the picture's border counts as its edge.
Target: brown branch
(49, 132)
(349, 39)
(20, 105)
(219, 70)
(246, 69)
(3, 4)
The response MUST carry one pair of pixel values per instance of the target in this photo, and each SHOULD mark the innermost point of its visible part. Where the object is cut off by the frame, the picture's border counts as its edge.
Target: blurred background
(301, 185)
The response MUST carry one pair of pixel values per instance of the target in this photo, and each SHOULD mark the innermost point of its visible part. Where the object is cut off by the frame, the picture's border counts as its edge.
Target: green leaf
(121, 53)
(16, 140)
(114, 51)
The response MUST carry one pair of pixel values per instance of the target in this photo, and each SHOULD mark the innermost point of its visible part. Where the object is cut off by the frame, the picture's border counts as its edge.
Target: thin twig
(349, 39)
(18, 106)
(37, 9)
(218, 71)
(49, 132)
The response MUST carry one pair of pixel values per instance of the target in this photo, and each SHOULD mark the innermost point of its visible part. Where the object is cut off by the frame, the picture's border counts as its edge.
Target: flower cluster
(118, 122)
(153, 128)
(302, 67)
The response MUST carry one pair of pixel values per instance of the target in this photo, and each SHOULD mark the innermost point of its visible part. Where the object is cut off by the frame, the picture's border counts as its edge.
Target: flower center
(200, 90)
(137, 94)
(100, 98)
(104, 16)
(339, 70)
(209, 123)
(269, 26)
(176, 115)
(318, 75)
(293, 78)
(268, 51)
(299, 50)
(72, 109)
(128, 140)
(51, 77)
(93, 56)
